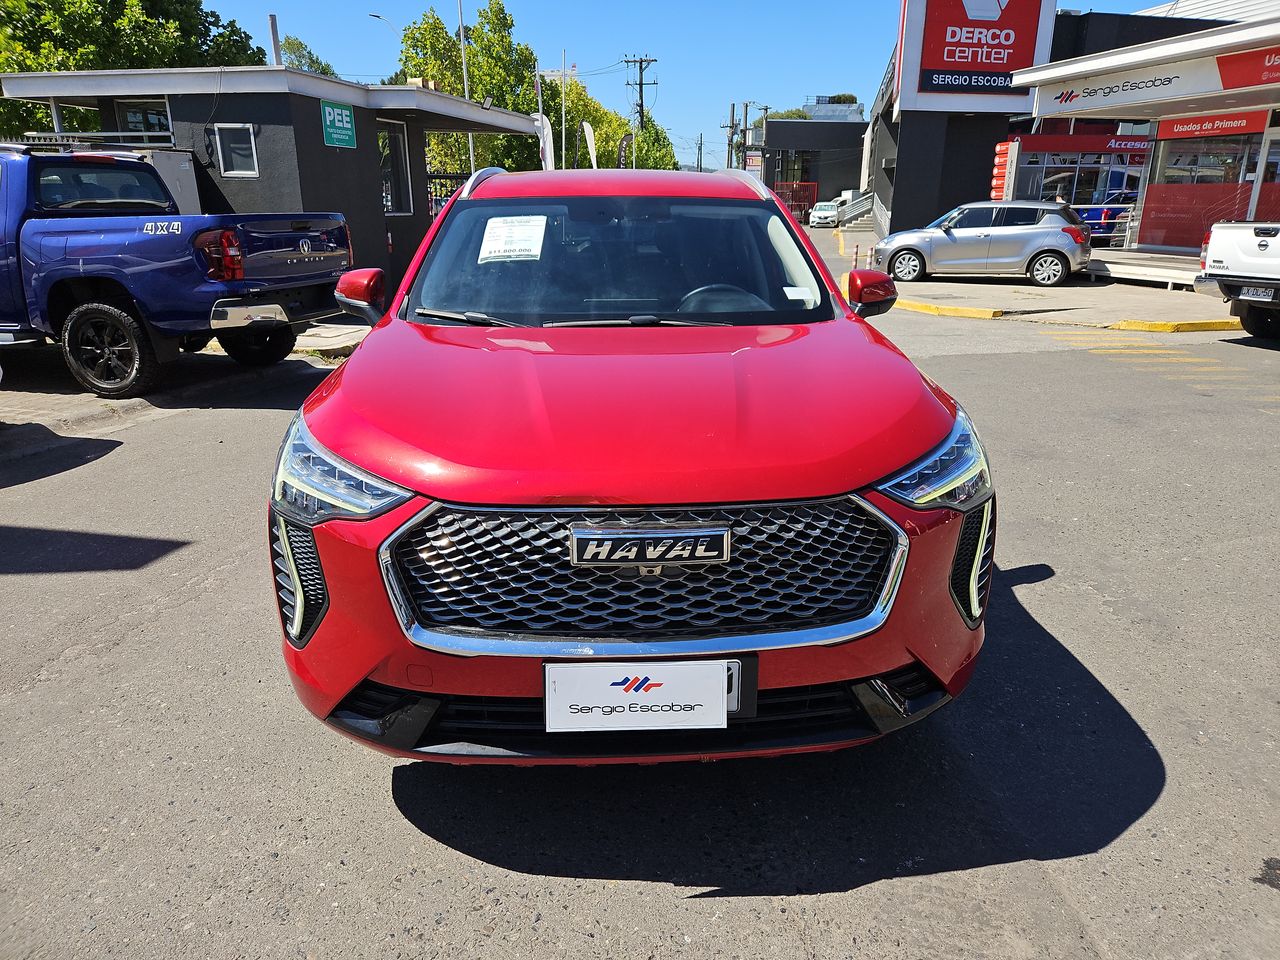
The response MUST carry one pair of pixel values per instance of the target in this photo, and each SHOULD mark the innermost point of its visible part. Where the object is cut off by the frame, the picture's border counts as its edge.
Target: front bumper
(359, 671)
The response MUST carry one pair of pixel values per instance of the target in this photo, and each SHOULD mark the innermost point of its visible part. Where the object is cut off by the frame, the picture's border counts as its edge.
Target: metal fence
(442, 186)
(798, 196)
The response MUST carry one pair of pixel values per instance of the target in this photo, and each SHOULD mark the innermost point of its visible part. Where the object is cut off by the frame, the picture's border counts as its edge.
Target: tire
(1048, 269)
(906, 265)
(195, 342)
(108, 351)
(259, 347)
(1263, 324)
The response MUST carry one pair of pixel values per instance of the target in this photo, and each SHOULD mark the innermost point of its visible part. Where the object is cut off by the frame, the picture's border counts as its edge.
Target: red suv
(620, 476)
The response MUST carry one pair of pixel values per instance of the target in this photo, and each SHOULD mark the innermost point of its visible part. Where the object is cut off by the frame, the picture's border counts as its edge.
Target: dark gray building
(825, 152)
(267, 139)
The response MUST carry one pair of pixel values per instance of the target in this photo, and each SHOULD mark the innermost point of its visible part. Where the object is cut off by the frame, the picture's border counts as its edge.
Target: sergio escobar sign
(959, 55)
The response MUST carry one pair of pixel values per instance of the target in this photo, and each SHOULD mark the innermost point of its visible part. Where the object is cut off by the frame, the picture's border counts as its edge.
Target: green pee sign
(339, 121)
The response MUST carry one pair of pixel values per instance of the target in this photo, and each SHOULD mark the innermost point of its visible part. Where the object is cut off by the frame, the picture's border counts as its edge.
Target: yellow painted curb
(1175, 326)
(938, 310)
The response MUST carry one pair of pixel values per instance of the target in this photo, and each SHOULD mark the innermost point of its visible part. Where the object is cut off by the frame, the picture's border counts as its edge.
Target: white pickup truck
(1240, 262)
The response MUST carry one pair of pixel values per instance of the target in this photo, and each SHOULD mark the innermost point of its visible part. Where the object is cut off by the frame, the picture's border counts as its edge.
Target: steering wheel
(720, 298)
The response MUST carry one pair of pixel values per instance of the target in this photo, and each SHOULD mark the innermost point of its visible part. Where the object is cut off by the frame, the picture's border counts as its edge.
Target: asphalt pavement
(1105, 788)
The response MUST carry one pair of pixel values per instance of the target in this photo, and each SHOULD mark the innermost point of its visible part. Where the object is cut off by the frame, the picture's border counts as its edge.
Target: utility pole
(745, 128)
(699, 153)
(466, 84)
(641, 63)
(732, 127)
(564, 90)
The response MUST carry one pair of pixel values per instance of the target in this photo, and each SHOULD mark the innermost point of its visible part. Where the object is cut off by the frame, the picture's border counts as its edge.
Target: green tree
(45, 35)
(795, 113)
(299, 56)
(499, 66)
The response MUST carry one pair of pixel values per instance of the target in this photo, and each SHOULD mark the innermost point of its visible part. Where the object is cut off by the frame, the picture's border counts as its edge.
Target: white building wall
(1238, 10)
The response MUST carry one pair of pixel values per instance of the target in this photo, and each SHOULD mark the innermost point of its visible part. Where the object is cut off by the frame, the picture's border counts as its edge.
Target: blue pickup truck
(95, 257)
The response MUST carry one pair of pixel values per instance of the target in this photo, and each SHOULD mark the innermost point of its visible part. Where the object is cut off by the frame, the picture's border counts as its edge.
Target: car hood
(657, 415)
(918, 235)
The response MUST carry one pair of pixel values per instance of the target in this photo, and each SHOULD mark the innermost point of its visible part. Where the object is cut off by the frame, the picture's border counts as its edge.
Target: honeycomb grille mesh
(507, 571)
(966, 556)
(306, 562)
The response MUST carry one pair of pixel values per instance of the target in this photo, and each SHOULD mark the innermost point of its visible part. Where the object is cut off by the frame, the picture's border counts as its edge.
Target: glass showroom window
(237, 149)
(1194, 184)
(393, 150)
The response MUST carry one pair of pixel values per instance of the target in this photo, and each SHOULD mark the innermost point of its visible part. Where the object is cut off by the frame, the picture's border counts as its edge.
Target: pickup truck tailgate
(299, 249)
(1244, 250)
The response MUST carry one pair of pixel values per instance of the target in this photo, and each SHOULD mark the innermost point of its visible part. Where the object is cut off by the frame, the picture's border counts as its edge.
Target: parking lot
(1105, 788)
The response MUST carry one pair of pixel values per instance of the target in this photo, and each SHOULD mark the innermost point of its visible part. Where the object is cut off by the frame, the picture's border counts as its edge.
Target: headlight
(955, 475)
(313, 485)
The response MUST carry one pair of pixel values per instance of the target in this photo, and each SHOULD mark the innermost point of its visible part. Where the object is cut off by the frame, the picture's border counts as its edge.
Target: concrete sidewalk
(1080, 301)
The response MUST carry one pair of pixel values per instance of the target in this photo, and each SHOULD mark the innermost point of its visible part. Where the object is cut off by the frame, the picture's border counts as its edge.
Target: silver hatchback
(1045, 241)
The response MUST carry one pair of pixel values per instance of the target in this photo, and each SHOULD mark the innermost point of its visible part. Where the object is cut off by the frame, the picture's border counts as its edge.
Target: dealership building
(949, 125)
(1211, 101)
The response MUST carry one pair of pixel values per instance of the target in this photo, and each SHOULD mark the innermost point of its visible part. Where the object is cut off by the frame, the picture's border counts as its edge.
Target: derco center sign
(961, 54)
(973, 46)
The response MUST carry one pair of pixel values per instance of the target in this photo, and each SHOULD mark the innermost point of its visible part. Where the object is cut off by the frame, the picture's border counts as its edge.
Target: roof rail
(477, 178)
(761, 190)
(68, 146)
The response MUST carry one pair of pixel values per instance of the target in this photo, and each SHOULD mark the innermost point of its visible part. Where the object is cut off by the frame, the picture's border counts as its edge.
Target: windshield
(824, 206)
(943, 219)
(100, 185)
(561, 260)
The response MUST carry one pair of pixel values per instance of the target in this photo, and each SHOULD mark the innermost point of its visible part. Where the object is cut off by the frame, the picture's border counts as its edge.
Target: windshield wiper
(472, 317)
(639, 320)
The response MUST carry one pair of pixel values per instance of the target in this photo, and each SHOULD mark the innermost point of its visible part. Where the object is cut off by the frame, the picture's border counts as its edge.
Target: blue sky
(709, 52)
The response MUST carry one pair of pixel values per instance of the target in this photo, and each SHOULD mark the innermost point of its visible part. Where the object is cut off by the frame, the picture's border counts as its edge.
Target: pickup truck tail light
(1076, 234)
(1204, 249)
(221, 250)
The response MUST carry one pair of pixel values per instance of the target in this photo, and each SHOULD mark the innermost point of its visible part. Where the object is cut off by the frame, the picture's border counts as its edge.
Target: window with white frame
(237, 149)
(393, 150)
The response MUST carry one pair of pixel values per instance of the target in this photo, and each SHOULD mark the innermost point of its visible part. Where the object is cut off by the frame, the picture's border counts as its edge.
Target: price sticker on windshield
(512, 238)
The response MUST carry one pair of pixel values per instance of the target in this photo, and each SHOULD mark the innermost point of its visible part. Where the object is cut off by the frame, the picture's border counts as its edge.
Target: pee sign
(339, 122)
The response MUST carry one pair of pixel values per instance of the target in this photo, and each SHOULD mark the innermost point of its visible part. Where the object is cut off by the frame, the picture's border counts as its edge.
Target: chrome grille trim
(473, 643)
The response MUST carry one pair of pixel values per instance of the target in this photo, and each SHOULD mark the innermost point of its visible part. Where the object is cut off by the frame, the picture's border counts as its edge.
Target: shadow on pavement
(39, 550)
(1036, 761)
(194, 380)
(31, 451)
(1259, 343)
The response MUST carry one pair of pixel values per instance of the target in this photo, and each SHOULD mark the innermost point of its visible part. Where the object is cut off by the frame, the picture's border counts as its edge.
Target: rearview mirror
(360, 293)
(871, 293)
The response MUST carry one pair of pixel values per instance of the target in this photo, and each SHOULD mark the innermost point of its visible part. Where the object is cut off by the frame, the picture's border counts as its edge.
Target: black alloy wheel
(108, 352)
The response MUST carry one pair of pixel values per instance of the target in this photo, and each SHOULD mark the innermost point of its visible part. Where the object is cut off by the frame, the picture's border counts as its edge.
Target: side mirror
(871, 293)
(360, 293)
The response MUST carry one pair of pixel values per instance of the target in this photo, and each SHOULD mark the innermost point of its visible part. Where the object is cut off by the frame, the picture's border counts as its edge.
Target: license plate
(1257, 293)
(688, 695)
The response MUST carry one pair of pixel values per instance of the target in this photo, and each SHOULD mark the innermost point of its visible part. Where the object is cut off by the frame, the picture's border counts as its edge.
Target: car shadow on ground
(31, 451)
(40, 550)
(194, 380)
(1258, 343)
(1036, 761)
